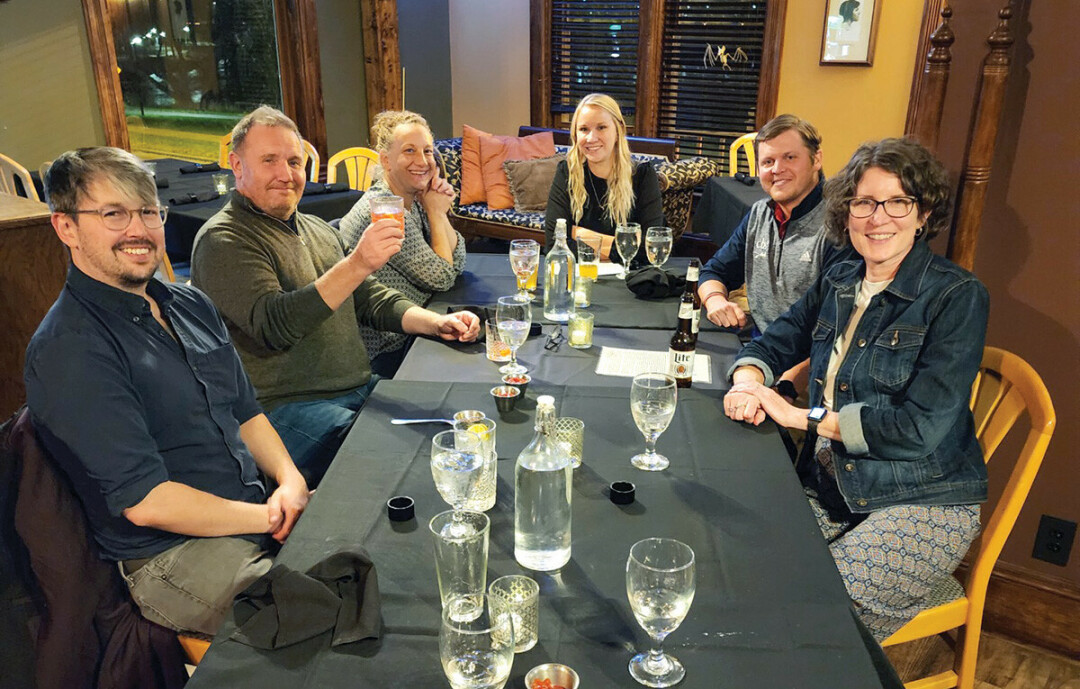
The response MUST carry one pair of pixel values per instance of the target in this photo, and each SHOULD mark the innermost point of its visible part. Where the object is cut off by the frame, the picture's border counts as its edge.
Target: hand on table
(751, 401)
(285, 505)
(724, 313)
(462, 326)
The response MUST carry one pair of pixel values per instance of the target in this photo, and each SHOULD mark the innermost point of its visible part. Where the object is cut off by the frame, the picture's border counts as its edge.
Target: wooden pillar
(929, 86)
(99, 34)
(981, 142)
(650, 52)
(771, 48)
(540, 63)
(382, 56)
(301, 82)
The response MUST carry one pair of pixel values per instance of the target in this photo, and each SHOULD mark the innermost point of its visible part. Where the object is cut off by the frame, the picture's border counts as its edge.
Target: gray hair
(69, 177)
(266, 116)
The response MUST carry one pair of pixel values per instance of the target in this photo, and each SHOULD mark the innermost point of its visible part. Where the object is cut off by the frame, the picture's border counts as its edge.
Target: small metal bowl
(469, 415)
(518, 380)
(506, 397)
(559, 674)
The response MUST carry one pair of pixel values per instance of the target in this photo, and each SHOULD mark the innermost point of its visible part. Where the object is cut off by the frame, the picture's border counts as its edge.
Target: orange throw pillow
(472, 177)
(496, 149)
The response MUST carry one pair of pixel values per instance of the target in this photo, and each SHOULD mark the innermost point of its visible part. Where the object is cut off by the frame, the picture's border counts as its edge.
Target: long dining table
(770, 609)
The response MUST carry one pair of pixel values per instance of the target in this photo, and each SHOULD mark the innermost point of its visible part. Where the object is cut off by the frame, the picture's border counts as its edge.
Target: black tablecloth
(724, 202)
(770, 610)
(488, 277)
(185, 220)
(430, 360)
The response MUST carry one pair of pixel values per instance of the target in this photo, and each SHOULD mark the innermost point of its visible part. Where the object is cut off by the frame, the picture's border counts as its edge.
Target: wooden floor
(1003, 664)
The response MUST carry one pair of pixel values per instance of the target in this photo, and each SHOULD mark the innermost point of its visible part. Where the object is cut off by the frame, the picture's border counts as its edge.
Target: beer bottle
(692, 273)
(684, 341)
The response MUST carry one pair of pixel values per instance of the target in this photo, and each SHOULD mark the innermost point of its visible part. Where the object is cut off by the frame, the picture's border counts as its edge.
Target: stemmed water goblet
(652, 404)
(476, 646)
(524, 261)
(660, 584)
(457, 463)
(627, 241)
(513, 317)
(658, 245)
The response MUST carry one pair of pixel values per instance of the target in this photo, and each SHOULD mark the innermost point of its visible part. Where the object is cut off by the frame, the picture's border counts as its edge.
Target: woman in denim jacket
(892, 468)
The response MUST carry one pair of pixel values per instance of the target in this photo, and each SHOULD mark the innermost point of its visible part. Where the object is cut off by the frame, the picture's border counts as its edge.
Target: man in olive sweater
(293, 296)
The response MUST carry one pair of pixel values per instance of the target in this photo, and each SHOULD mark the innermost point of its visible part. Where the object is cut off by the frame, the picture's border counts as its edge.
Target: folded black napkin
(316, 188)
(202, 197)
(285, 607)
(199, 167)
(161, 182)
(654, 283)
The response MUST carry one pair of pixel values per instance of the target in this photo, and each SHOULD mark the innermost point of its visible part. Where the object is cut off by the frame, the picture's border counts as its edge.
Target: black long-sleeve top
(648, 211)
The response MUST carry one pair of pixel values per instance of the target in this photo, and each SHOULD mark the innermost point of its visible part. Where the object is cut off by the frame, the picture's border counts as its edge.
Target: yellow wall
(849, 105)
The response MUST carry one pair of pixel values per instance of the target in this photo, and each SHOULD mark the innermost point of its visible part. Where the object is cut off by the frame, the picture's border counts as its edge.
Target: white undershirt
(867, 290)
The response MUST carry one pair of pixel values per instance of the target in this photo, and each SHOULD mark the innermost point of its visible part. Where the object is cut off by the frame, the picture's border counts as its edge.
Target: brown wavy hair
(921, 175)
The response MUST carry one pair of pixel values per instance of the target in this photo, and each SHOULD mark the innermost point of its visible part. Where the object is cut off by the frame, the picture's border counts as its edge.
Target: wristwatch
(814, 417)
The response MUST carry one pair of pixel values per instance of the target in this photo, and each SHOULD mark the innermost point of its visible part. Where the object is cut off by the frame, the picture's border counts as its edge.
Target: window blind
(711, 61)
(594, 49)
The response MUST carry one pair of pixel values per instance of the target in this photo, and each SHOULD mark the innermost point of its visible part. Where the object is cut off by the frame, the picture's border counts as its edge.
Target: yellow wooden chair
(9, 171)
(167, 269)
(360, 164)
(1005, 387)
(746, 144)
(310, 155)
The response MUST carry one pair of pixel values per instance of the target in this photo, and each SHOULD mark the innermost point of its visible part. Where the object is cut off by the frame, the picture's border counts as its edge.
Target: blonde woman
(432, 252)
(598, 187)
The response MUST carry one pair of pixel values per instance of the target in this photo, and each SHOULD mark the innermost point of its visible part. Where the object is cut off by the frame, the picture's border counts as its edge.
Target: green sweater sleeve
(379, 306)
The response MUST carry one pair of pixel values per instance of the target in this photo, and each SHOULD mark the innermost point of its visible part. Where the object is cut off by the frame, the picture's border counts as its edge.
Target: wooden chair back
(744, 143)
(360, 165)
(9, 172)
(1005, 387)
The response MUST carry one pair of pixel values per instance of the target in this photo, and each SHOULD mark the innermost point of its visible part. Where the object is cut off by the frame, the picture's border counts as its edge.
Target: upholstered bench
(677, 181)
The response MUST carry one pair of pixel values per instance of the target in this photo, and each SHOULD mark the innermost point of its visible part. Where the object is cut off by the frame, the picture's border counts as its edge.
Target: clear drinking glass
(658, 245)
(524, 261)
(457, 462)
(627, 241)
(461, 561)
(477, 653)
(588, 264)
(652, 403)
(482, 498)
(660, 584)
(514, 317)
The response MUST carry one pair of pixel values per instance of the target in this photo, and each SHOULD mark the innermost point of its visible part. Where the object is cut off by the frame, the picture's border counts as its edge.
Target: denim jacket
(902, 391)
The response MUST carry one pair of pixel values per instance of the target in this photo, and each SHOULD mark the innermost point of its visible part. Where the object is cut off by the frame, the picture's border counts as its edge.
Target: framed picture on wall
(850, 31)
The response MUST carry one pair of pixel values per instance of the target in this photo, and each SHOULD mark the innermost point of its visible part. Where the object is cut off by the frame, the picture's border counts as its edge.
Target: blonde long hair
(620, 186)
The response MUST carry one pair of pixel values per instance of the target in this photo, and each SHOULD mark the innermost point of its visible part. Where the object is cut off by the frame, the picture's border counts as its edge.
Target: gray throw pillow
(530, 181)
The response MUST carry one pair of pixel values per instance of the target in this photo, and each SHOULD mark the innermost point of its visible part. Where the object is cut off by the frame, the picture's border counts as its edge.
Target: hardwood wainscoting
(1032, 608)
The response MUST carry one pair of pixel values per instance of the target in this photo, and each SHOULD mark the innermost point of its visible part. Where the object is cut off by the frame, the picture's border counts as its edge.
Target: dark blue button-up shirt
(123, 407)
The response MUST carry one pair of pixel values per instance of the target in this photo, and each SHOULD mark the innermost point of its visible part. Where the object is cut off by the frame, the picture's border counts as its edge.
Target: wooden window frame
(650, 47)
(298, 63)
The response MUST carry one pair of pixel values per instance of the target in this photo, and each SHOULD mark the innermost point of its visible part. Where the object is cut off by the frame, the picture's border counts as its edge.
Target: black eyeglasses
(864, 206)
(555, 339)
(118, 219)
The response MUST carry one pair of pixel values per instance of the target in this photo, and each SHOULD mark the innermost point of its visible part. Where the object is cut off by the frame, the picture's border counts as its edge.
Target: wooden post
(382, 56)
(981, 141)
(928, 92)
(99, 34)
(301, 73)
(540, 63)
(650, 50)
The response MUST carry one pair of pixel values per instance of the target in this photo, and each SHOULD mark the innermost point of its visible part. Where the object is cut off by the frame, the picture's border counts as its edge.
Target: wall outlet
(1054, 540)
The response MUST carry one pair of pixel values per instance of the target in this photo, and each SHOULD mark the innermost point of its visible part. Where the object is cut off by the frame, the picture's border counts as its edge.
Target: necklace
(602, 201)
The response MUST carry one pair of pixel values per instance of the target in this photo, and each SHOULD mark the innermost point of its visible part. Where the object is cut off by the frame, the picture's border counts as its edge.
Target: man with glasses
(294, 294)
(136, 391)
(779, 249)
